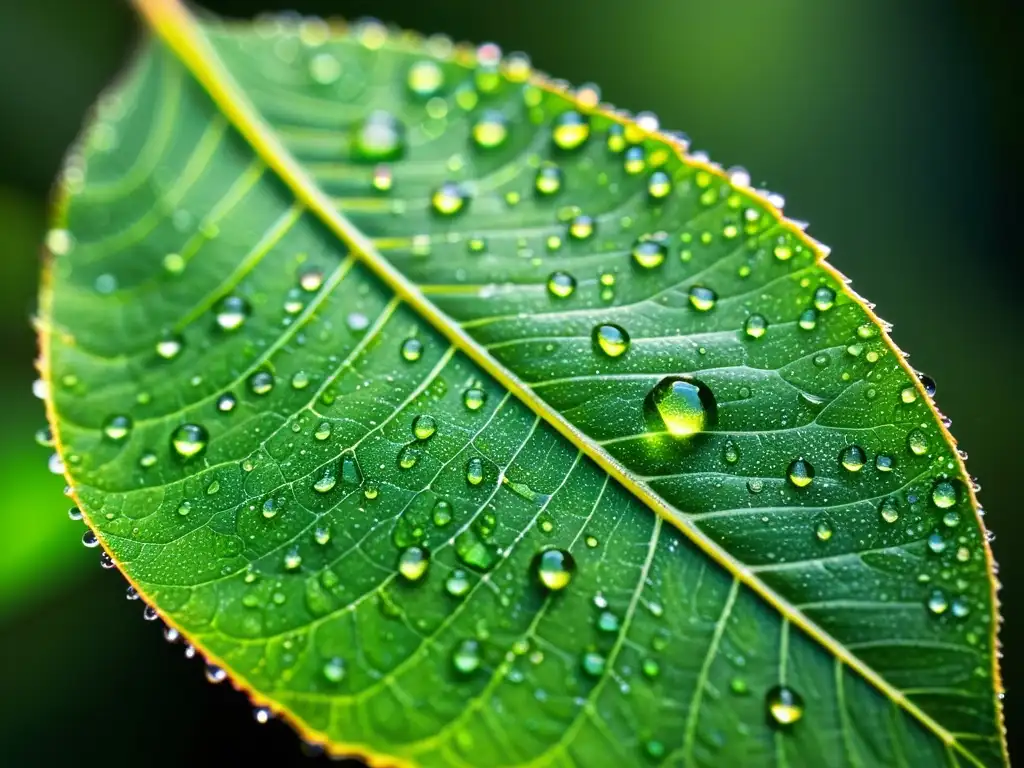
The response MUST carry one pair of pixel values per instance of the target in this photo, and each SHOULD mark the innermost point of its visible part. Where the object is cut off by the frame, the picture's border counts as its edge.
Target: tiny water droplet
(457, 584)
(169, 347)
(474, 471)
(474, 398)
(117, 428)
(226, 403)
(755, 326)
(232, 312)
(570, 131)
(944, 494)
(937, 602)
(378, 138)
(659, 185)
(490, 129)
(824, 298)
(425, 78)
(449, 199)
(89, 539)
(261, 382)
(189, 440)
(548, 180)
(215, 674)
(889, 510)
(593, 663)
(412, 349)
(917, 443)
(785, 706)
(466, 657)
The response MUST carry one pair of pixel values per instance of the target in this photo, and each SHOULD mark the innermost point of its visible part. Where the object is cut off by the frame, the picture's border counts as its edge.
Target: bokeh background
(890, 126)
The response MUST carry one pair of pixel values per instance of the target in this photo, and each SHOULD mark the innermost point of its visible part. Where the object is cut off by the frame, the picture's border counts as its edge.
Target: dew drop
(824, 298)
(117, 428)
(412, 349)
(853, 458)
(554, 568)
(683, 405)
(593, 663)
(378, 138)
(261, 382)
(808, 319)
(424, 427)
(215, 674)
(474, 471)
(888, 510)
(548, 180)
(425, 79)
(474, 398)
(944, 494)
(884, 462)
(649, 253)
(169, 347)
(490, 130)
(937, 602)
(928, 383)
(89, 539)
(413, 563)
(327, 482)
(917, 443)
(322, 431)
(334, 670)
(785, 706)
(457, 584)
(189, 440)
(800, 473)
(823, 530)
(936, 543)
(561, 284)
(466, 658)
(232, 312)
(270, 509)
(449, 199)
(570, 131)
(755, 326)
(659, 185)
(633, 161)
(611, 339)
(702, 299)
(581, 227)
(408, 457)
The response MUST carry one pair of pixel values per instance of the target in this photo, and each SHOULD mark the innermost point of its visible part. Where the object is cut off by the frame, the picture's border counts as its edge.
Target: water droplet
(649, 252)
(884, 463)
(351, 475)
(226, 403)
(702, 299)
(571, 130)
(169, 347)
(800, 473)
(659, 185)
(474, 552)
(424, 426)
(327, 482)
(322, 535)
(334, 670)
(561, 284)
(951, 519)
(232, 312)
(75, 514)
(823, 530)
(89, 539)
(117, 428)
(323, 430)
(413, 563)
(611, 339)
(474, 471)
(474, 398)
(944, 494)
(59, 242)
(189, 440)
(608, 622)
(449, 199)
(928, 383)
(457, 584)
(634, 161)
(936, 543)
(785, 706)
(412, 349)
(292, 559)
(853, 458)
(960, 607)
(408, 457)
(783, 252)
(554, 568)
(755, 326)
(490, 130)
(425, 79)
(466, 658)
(824, 298)
(683, 405)
(549, 179)
(380, 137)
(184, 508)
(270, 509)
(888, 510)
(917, 443)
(300, 380)
(215, 674)
(650, 668)
(149, 614)
(581, 227)
(808, 319)
(593, 663)
(261, 382)
(937, 602)
(442, 513)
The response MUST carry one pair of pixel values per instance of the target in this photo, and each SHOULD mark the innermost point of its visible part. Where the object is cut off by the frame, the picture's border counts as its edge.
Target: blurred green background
(888, 125)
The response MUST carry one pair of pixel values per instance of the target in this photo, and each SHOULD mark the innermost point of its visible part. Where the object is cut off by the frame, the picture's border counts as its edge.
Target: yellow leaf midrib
(180, 32)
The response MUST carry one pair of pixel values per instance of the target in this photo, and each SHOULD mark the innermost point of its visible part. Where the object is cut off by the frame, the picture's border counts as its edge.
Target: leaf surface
(464, 421)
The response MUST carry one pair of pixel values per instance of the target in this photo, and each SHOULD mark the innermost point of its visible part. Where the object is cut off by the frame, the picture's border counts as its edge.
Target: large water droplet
(561, 284)
(378, 138)
(944, 494)
(683, 405)
(611, 339)
(474, 471)
(917, 443)
(649, 252)
(785, 706)
(593, 663)
(413, 563)
(474, 398)
(582, 227)
(800, 473)
(824, 298)
(226, 403)
(659, 185)
(549, 179)
(853, 458)
(570, 131)
(889, 510)
(702, 298)
(412, 349)
(117, 428)
(554, 568)
(261, 382)
(189, 440)
(334, 670)
(424, 426)
(232, 312)
(490, 130)
(327, 481)
(755, 326)
(466, 658)
(449, 199)
(425, 78)
(457, 584)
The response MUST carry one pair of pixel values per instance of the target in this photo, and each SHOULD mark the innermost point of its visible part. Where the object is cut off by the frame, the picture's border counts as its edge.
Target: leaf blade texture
(462, 420)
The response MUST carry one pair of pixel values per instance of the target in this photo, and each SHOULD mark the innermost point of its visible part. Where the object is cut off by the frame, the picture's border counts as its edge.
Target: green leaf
(463, 421)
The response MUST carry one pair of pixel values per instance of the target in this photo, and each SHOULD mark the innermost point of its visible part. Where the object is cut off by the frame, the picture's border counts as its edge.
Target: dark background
(888, 125)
